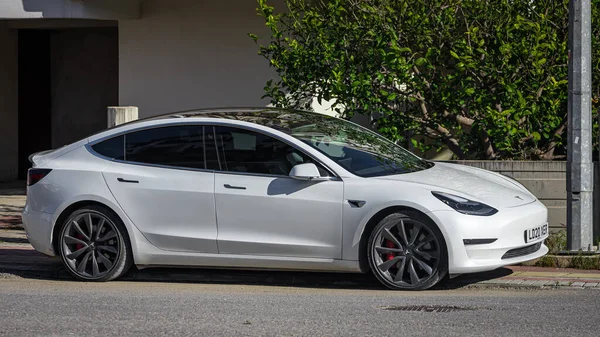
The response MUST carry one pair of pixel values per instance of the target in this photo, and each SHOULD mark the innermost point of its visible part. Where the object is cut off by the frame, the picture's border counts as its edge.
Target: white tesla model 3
(276, 189)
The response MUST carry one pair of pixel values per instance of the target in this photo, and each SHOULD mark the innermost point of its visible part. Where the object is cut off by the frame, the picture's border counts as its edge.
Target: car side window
(177, 146)
(241, 150)
(113, 148)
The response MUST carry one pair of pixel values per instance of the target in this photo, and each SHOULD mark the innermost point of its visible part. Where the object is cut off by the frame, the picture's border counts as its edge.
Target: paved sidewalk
(17, 258)
(524, 276)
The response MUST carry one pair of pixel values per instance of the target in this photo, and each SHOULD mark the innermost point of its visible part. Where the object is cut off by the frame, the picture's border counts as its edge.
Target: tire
(413, 259)
(94, 244)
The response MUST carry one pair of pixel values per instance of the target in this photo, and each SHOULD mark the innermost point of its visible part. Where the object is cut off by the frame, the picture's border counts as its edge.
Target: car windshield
(357, 149)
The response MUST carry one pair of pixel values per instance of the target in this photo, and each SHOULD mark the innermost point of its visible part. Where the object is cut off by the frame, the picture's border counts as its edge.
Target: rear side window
(113, 148)
(178, 146)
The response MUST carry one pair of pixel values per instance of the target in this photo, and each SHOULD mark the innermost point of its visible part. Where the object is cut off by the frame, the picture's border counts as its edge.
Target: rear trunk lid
(41, 158)
(38, 157)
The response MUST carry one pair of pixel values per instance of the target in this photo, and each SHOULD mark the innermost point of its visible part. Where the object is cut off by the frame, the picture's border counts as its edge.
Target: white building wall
(8, 103)
(69, 9)
(190, 54)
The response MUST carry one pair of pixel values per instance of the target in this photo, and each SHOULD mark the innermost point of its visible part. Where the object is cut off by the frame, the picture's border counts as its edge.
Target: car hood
(472, 183)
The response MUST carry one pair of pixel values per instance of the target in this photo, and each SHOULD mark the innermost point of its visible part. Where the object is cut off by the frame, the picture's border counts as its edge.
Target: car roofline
(207, 111)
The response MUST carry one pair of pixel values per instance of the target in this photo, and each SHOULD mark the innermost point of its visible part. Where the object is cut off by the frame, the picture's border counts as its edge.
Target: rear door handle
(121, 180)
(234, 187)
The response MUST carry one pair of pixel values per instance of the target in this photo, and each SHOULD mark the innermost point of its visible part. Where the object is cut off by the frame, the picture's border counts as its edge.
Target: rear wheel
(407, 251)
(94, 245)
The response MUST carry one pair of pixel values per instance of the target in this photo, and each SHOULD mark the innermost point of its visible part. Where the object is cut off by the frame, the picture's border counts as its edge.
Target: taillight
(34, 175)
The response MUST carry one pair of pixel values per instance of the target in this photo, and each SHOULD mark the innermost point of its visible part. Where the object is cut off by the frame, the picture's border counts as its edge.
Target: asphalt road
(64, 308)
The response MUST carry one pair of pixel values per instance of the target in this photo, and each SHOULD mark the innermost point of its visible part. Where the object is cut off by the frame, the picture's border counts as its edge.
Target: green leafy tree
(486, 79)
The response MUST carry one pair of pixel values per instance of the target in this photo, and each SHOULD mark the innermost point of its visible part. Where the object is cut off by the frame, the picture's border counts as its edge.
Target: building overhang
(70, 9)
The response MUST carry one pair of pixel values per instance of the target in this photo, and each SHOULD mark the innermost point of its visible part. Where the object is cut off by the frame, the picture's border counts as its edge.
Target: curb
(533, 284)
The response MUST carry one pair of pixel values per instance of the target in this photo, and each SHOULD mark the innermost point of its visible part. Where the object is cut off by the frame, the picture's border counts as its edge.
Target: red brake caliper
(79, 245)
(389, 244)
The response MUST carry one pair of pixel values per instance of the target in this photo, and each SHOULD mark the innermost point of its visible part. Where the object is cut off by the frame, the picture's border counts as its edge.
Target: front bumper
(38, 227)
(507, 227)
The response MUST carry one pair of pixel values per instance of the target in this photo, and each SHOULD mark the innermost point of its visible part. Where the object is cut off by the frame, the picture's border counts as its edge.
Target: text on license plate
(536, 233)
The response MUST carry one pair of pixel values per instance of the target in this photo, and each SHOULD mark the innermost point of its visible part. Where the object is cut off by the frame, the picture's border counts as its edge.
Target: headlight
(465, 206)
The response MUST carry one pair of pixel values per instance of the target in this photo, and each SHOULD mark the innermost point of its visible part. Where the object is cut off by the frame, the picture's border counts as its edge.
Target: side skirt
(233, 261)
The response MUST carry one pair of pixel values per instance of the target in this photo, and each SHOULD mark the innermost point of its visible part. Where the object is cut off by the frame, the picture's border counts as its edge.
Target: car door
(162, 184)
(261, 210)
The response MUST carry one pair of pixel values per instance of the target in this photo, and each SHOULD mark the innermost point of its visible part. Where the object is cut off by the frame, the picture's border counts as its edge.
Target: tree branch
(446, 135)
(464, 120)
(548, 154)
(487, 145)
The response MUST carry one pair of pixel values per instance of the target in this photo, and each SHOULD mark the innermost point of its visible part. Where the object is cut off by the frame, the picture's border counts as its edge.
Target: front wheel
(407, 251)
(94, 245)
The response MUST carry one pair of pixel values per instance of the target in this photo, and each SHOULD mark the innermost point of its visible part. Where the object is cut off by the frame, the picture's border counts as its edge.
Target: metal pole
(580, 168)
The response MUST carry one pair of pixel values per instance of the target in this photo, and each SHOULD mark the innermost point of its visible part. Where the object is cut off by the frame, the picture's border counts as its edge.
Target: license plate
(536, 233)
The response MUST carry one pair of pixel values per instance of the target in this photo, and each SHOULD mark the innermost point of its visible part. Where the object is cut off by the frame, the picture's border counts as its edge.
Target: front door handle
(234, 187)
(121, 180)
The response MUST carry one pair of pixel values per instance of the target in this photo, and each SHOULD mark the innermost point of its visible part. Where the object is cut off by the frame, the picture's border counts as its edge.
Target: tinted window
(180, 146)
(357, 149)
(242, 150)
(111, 148)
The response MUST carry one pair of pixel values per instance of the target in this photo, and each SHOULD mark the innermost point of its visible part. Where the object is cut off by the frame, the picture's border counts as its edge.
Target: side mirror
(307, 171)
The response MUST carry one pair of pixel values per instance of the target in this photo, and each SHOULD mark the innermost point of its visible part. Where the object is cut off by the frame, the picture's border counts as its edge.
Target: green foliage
(547, 261)
(585, 262)
(557, 241)
(485, 78)
(579, 261)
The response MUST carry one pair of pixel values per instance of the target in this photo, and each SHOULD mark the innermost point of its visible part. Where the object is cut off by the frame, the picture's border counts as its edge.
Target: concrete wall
(8, 103)
(190, 54)
(547, 180)
(84, 81)
(69, 9)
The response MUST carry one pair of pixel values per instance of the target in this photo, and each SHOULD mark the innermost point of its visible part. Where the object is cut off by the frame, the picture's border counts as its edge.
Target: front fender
(386, 195)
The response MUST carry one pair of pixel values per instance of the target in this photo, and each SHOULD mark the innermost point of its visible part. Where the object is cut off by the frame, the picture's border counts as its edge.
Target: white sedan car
(276, 189)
